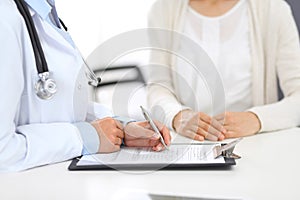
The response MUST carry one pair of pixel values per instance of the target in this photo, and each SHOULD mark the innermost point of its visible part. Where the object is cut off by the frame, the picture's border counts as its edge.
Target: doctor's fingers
(141, 142)
(136, 130)
(111, 135)
(114, 148)
(112, 139)
(117, 141)
(166, 135)
(116, 133)
(119, 125)
(161, 127)
(158, 147)
(106, 125)
(165, 132)
(108, 145)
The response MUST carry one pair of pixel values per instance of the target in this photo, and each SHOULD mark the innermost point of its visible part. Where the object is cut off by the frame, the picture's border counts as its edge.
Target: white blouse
(226, 41)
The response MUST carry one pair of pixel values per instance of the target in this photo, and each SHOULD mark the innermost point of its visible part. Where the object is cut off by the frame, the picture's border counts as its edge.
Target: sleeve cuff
(89, 137)
(124, 120)
(167, 114)
(97, 111)
(260, 117)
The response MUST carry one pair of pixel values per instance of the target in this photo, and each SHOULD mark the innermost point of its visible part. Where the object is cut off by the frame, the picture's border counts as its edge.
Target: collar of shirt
(41, 7)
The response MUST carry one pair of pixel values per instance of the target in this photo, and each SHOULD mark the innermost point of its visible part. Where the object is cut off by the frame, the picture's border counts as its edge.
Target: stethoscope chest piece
(45, 88)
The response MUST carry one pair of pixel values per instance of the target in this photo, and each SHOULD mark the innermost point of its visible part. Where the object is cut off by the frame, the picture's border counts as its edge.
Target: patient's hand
(198, 126)
(239, 124)
(140, 134)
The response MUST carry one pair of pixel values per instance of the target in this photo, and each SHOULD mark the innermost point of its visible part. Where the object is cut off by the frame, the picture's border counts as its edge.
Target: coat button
(79, 86)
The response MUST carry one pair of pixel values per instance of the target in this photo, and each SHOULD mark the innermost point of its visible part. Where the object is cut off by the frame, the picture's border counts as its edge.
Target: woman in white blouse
(254, 46)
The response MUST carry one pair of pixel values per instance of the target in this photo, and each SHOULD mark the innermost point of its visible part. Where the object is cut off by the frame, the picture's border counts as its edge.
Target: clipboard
(224, 154)
(223, 166)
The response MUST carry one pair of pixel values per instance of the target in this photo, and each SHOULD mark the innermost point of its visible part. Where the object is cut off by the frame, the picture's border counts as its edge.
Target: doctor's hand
(140, 134)
(239, 124)
(110, 134)
(198, 126)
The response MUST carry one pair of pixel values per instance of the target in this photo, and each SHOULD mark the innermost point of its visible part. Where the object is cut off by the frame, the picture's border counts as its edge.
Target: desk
(269, 169)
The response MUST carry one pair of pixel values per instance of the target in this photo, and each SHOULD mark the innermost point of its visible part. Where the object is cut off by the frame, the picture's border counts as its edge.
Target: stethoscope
(45, 87)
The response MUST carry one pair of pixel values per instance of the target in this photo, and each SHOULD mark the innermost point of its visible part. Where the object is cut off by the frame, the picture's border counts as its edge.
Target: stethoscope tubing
(41, 62)
(42, 86)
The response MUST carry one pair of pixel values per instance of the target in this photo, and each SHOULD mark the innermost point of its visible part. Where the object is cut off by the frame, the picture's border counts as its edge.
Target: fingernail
(199, 138)
(222, 137)
(159, 148)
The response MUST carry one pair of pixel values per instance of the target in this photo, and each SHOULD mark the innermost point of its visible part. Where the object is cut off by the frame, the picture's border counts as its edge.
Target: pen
(148, 118)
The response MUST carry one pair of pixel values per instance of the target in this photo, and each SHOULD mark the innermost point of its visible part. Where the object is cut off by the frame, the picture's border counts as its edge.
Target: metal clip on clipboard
(227, 150)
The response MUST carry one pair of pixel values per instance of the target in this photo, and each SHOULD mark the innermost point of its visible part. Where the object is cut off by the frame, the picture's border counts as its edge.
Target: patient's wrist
(257, 125)
(178, 118)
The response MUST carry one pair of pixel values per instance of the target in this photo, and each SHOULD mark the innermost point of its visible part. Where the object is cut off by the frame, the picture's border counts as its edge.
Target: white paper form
(177, 154)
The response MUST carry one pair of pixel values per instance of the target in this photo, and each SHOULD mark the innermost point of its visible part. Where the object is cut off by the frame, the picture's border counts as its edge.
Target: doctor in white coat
(34, 131)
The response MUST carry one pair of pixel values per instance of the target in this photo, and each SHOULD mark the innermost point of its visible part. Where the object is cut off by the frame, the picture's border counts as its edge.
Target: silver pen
(148, 118)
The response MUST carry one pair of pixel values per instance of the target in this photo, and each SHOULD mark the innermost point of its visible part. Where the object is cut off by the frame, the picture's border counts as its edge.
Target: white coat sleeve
(97, 111)
(27, 146)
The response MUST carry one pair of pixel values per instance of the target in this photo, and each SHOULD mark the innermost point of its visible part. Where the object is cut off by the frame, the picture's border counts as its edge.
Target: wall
(91, 22)
(295, 4)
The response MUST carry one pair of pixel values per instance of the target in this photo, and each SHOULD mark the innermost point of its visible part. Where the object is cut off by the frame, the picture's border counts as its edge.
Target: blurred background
(91, 22)
(295, 4)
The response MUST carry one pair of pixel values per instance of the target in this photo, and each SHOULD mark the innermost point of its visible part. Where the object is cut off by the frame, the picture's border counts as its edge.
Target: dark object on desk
(167, 197)
(207, 166)
(189, 162)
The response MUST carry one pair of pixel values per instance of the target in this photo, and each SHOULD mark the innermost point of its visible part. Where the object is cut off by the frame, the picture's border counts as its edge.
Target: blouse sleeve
(162, 99)
(285, 113)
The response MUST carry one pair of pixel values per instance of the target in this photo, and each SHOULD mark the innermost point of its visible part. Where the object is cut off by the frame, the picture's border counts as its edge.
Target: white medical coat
(33, 131)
